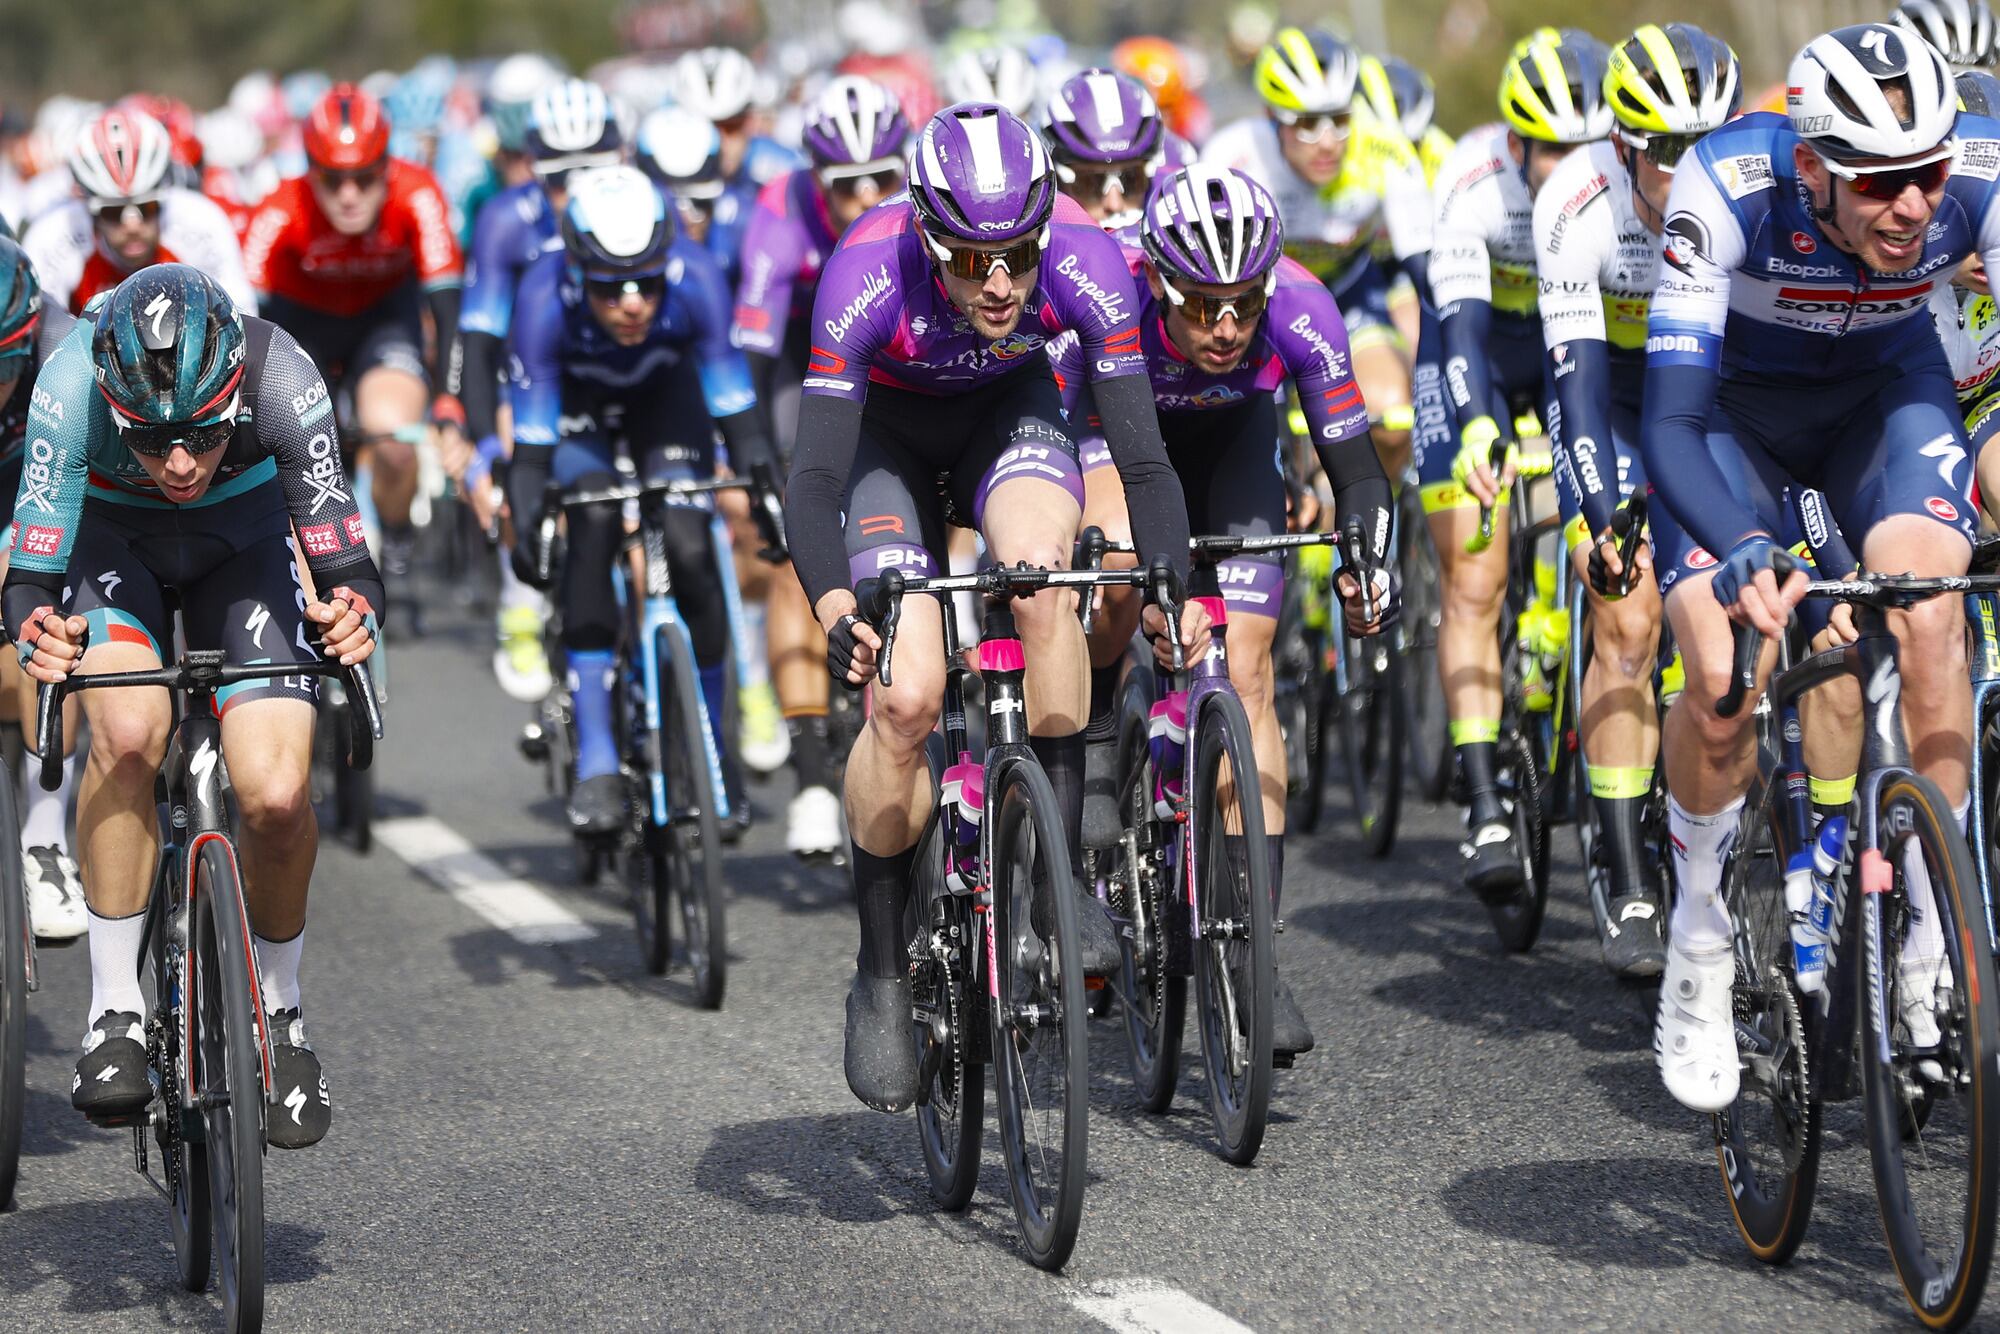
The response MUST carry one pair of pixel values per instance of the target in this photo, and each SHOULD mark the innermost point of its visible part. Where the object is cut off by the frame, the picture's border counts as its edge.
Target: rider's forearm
(1581, 369)
(24, 593)
(829, 435)
(1153, 495)
(479, 389)
(1464, 326)
(1674, 440)
(1360, 487)
(444, 303)
(763, 379)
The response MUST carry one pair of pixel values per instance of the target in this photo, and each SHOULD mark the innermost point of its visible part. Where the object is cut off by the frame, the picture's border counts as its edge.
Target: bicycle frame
(1982, 614)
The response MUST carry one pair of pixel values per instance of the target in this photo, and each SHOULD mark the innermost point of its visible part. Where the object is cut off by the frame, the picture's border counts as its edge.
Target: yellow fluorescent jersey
(1483, 244)
(1597, 262)
(1433, 151)
(1380, 188)
(1968, 325)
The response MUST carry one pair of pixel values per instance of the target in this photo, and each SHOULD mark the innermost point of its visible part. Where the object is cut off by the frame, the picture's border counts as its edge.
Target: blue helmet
(616, 226)
(20, 305)
(168, 350)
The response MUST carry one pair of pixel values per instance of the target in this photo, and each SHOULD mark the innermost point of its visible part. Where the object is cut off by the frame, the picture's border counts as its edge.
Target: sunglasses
(1665, 151)
(613, 290)
(884, 182)
(363, 179)
(113, 213)
(697, 208)
(1890, 183)
(736, 123)
(976, 265)
(1128, 178)
(156, 442)
(1207, 311)
(1312, 129)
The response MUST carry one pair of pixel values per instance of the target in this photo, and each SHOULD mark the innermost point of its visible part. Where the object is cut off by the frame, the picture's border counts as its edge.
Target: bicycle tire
(1236, 956)
(1370, 726)
(1943, 1287)
(694, 829)
(184, 1160)
(1298, 681)
(1035, 989)
(1767, 1142)
(15, 942)
(232, 1084)
(1426, 722)
(1153, 1023)
(951, 1110)
(1517, 920)
(353, 790)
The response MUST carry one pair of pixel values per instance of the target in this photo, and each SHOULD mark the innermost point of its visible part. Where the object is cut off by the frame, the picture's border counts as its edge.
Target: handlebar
(556, 499)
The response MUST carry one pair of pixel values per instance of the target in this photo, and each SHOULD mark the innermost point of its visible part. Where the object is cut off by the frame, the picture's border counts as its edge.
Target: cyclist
(1401, 96)
(995, 73)
(511, 90)
(1108, 142)
(926, 401)
(720, 84)
(30, 331)
(1162, 68)
(128, 214)
(1339, 178)
(1224, 319)
(682, 152)
(1790, 338)
(348, 258)
(1597, 226)
(1963, 31)
(1483, 349)
(570, 127)
(203, 438)
(855, 134)
(1968, 324)
(623, 333)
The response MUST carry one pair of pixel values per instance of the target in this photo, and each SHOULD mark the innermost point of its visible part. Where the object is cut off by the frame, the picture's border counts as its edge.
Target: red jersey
(293, 252)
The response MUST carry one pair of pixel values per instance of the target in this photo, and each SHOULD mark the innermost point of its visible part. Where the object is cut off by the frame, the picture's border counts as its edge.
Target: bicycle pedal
(120, 1121)
(1283, 1060)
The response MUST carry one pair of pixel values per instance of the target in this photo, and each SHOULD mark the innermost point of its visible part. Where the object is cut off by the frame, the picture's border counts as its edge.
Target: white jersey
(193, 230)
(1380, 188)
(44, 193)
(1598, 263)
(1483, 248)
(1969, 326)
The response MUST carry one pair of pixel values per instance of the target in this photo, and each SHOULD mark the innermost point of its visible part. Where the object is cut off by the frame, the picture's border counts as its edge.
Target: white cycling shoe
(1695, 1035)
(55, 894)
(812, 824)
(1923, 989)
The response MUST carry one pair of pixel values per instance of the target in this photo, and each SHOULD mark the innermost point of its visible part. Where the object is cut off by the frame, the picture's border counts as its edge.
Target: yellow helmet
(1673, 79)
(1553, 87)
(1399, 94)
(1307, 72)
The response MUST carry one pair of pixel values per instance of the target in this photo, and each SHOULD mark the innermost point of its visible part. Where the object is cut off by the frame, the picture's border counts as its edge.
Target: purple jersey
(788, 238)
(1301, 338)
(882, 315)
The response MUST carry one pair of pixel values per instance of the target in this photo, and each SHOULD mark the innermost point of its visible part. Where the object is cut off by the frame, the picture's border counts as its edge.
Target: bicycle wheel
(184, 1160)
(353, 789)
(231, 1082)
(693, 837)
(951, 1110)
(1425, 722)
(1153, 988)
(1938, 1186)
(1236, 956)
(1041, 1077)
(1518, 918)
(1370, 726)
(1767, 1142)
(15, 942)
(1299, 669)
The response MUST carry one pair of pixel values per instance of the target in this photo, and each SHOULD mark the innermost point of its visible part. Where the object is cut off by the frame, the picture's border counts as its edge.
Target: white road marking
(439, 854)
(1148, 1306)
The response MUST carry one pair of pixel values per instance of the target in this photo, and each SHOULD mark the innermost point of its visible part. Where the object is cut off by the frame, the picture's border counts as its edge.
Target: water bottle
(1166, 738)
(1808, 945)
(1829, 850)
(964, 797)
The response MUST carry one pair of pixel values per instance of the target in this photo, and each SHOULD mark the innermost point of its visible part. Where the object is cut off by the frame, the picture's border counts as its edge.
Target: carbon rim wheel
(1156, 1012)
(1041, 1075)
(951, 1110)
(184, 1161)
(1371, 739)
(1425, 722)
(15, 942)
(693, 835)
(232, 1088)
(1518, 920)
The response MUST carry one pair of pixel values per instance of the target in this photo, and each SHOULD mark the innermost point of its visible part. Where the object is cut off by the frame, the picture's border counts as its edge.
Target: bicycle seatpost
(49, 724)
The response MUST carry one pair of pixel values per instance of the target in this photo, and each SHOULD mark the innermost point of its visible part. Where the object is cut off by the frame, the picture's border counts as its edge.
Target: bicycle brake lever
(1360, 563)
(1161, 583)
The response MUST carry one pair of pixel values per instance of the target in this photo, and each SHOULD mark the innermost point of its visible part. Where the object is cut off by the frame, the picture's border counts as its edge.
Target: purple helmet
(1101, 115)
(1207, 224)
(980, 174)
(855, 121)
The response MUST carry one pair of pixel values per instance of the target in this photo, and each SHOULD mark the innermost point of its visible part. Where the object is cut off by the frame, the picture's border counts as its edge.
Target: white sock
(46, 824)
(114, 965)
(1701, 846)
(514, 593)
(278, 971)
(1923, 947)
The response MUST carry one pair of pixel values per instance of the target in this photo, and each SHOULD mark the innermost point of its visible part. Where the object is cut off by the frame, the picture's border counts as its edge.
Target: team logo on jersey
(1803, 243)
(1014, 345)
(1686, 240)
(1942, 508)
(1215, 396)
(1699, 559)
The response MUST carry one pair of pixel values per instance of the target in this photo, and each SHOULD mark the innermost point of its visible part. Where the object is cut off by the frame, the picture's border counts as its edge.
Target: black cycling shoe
(111, 1077)
(1631, 937)
(1492, 862)
(1101, 826)
(1290, 1034)
(597, 806)
(303, 1110)
(1097, 943)
(738, 824)
(881, 1057)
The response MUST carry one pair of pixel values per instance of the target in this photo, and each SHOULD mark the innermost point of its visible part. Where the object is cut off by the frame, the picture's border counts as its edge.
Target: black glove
(840, 645)
(767, 511)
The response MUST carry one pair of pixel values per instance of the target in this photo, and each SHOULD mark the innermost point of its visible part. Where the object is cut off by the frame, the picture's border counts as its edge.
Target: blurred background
(197, 49)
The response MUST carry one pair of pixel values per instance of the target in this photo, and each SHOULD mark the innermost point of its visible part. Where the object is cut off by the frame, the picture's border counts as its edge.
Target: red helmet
(176, 116)
(346, 131)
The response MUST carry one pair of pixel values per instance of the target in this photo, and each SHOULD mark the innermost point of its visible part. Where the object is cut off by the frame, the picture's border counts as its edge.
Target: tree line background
(197, 48)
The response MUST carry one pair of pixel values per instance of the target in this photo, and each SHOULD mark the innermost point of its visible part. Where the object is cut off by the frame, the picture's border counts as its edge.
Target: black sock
(1062, 760)
(1476, 762)
(881, 889)
(1619, 819)
(1821, 814)
(810, 758)
(1103, 725)
(1274, 854)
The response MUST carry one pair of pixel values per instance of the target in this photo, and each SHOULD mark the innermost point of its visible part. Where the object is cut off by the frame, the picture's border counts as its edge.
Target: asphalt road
(531, 1133)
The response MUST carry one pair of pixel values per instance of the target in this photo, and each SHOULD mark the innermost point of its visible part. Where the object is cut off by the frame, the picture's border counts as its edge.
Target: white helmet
(718, 82)
(122, 157)
(571, 121)
(1962, 30)
(992, 74)
(229, 139)
(1837, 95)
(682, 152)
